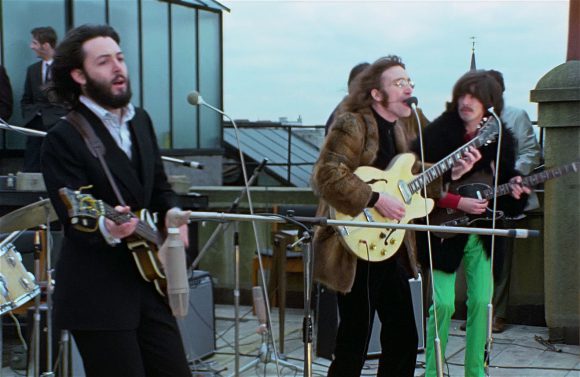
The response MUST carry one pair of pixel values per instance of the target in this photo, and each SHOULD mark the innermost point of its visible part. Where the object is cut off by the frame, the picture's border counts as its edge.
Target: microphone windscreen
(411, 101)
(194, 98)
(259, 304)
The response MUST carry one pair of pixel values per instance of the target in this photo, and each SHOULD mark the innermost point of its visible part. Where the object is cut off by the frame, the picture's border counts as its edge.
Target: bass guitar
(481, 188)
(378, 244)
(84, 212)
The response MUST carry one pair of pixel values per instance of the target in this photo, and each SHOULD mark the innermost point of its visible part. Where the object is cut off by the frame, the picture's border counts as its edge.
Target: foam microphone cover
(194, 98)
(411, 101)
(258, 296)
(175, 266)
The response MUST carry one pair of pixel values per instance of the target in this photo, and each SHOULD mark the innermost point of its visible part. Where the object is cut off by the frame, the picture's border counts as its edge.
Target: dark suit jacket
(34, 100)
(5, 95)
(99, 286)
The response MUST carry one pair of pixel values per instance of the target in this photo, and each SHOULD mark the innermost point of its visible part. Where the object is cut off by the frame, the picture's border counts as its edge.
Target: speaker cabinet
(327, 318)
(198, 327)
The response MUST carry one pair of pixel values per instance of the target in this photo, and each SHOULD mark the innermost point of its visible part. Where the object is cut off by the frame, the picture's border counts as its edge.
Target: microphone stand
(307, 335)
(233, 209)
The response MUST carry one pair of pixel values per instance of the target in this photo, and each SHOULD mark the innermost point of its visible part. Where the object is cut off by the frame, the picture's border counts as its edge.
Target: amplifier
(327, 318)
(198, 327)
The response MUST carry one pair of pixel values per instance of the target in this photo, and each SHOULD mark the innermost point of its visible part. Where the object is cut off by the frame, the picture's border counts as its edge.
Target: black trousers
(33, 145)
(382, 287)
(154, 348)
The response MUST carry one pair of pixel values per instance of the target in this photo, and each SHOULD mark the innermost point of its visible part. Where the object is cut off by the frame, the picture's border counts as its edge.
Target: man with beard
(473, 94)
(121, 324)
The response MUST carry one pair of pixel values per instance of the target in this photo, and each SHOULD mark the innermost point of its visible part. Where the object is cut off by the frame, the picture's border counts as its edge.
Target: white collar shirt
(118, 128)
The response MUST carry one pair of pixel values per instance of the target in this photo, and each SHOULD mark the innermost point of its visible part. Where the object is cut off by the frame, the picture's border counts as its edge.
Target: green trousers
(479, 290)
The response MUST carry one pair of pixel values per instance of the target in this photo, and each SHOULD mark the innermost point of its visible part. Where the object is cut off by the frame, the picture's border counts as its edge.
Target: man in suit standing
(5, 95)
(121, 325)
(37, 111)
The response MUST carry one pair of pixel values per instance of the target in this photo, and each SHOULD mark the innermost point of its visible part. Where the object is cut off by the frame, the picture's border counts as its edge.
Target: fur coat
(353, 141)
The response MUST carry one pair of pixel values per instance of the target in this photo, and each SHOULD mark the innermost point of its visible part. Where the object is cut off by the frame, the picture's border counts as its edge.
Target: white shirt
(118, 128)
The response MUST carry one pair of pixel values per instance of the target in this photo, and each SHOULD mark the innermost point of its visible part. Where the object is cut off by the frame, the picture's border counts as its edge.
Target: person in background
(528, 155)
(38, 113)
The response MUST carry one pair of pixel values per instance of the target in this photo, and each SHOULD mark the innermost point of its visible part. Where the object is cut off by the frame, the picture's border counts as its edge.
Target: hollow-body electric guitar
(378, 244)
(84, 212)
(481, 188)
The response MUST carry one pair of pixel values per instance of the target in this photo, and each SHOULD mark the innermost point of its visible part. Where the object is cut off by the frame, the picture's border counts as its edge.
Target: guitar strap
(95, 145)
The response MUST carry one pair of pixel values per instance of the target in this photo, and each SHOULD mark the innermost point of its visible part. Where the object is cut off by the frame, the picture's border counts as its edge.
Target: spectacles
(403, 83)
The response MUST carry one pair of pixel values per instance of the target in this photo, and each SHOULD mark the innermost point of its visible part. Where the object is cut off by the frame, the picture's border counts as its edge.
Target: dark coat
(352, 141)
(5, 95)
(443, 136)
(35, 101)
(99, 286)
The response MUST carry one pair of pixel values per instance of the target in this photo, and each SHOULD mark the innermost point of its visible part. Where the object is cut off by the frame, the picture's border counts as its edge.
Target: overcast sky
(292, 58)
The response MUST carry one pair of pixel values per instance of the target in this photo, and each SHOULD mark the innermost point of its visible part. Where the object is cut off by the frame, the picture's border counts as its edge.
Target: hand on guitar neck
(465, 164)
(518, 188)
(123, 230)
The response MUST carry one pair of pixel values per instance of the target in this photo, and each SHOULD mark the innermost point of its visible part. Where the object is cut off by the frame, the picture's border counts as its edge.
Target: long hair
(359, 96)
(481, 85)
(69, 55)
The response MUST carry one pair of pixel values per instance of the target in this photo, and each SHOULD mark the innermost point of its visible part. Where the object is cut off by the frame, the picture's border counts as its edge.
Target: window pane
(123, 17)
(210, 69)
(88, 12)
(156, 68)
(183, 37)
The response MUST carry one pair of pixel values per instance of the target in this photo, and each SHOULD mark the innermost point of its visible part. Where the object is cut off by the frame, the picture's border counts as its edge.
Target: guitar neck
(535, 179)
(442, 166)
(143, 230)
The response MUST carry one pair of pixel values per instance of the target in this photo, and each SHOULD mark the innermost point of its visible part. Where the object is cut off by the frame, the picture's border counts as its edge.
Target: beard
(102, 93)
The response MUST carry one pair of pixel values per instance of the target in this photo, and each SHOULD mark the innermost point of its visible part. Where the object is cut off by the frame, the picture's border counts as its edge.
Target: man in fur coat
(366, 131)
(473, 94)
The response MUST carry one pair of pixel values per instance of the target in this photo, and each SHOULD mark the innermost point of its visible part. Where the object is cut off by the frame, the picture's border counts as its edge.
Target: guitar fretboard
(447, 163)
(535, 179)
(143, 230)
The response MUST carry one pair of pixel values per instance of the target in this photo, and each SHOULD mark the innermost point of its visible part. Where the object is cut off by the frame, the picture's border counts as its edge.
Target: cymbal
(29, 216)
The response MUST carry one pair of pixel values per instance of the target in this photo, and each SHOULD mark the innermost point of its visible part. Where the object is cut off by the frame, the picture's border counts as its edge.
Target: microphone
(258, 298)
(189, 164)
(194, 98)
(411, 102)
(172, 255)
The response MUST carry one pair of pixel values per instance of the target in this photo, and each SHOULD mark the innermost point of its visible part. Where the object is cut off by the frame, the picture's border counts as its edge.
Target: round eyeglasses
(403, 83)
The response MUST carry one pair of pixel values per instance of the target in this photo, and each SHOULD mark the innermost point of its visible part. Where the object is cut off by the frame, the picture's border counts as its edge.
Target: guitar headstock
(83, 209)
(488, 130)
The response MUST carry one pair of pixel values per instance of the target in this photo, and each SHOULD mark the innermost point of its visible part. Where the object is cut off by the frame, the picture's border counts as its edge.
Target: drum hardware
(18, 286)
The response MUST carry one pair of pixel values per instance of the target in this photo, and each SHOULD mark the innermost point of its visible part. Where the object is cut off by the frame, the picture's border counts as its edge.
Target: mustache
(464, 108)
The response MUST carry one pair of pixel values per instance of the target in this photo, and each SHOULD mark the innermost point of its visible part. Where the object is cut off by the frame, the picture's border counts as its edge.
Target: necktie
(47, 73)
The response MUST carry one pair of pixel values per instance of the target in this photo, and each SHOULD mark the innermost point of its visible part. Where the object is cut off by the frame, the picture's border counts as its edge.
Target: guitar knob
(382, 235)
(372, 246)
(392, 241)
(383, 252)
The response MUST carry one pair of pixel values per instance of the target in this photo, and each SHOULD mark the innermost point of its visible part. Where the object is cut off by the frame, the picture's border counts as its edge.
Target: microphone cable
(412, 103)
(489, 329)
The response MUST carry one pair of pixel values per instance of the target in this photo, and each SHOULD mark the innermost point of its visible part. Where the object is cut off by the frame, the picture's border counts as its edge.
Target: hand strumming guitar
(390, 207)
(472, 206)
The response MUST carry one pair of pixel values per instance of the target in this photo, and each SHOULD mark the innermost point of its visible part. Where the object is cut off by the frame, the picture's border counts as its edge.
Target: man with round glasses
(366, 131)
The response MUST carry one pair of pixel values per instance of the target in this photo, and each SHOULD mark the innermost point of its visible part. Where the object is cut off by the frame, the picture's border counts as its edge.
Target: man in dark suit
(37, 111)
(122, 326)
(5, 95)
